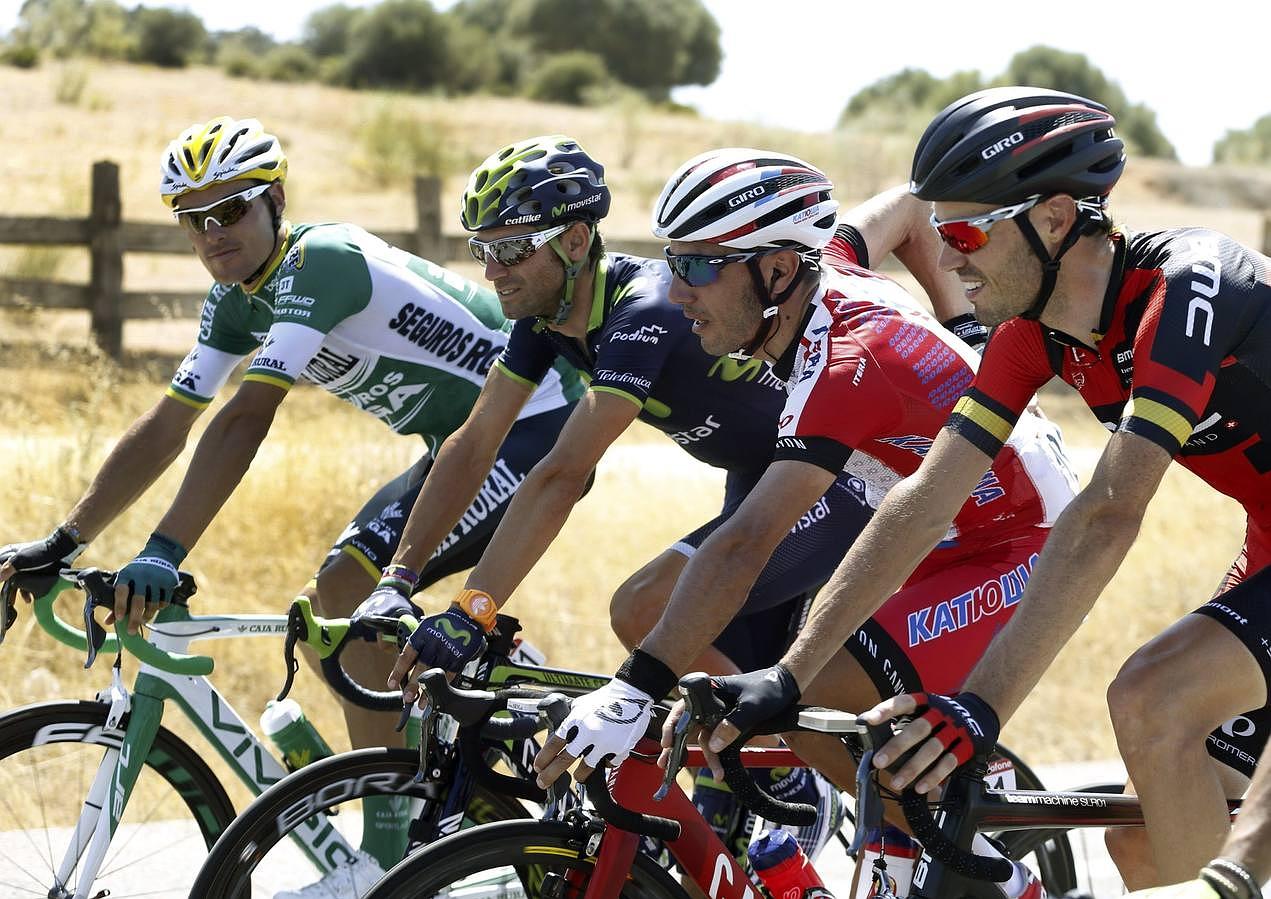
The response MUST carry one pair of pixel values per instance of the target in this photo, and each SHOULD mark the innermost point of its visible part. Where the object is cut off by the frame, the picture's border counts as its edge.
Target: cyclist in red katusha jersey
(870, 379)
(1167, 337)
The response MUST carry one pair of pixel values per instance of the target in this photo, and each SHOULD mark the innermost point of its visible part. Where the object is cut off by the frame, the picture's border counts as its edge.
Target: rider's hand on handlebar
(448, 640)
(39, 557)
(384, 602)
(755, 697)
(601, 729)
(949, 732)
(148, 582)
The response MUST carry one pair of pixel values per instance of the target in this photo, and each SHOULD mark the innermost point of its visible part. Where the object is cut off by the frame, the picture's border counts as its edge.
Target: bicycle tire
(38, 773)
(230, 865)
(1056, 862)
(527, 851)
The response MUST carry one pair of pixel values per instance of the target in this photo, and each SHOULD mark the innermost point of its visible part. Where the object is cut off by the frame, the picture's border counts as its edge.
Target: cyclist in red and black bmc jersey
(1166, 337)
(870, 378)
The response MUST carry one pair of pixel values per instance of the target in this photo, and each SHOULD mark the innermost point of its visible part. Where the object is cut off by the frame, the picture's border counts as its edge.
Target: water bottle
(775, 855)
(286, 725)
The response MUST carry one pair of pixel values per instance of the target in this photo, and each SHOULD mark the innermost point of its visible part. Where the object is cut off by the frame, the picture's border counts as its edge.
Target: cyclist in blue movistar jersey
(534, 206)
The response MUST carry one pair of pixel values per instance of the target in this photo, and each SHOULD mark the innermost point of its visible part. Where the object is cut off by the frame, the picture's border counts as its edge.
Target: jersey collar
(783, 368)
(283, 246)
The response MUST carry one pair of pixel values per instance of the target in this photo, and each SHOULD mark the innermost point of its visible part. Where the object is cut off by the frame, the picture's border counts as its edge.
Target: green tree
(1072, 72)
(167, 37)
(398, 43)
(568, 77)
(326, 31)
(1251, 146)
(906, 100)
(289, 62)
(651, 45)
(65, 28)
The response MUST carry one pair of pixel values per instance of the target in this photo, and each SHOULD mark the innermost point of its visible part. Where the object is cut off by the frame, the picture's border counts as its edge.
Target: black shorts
(758, 640)
(1245, 610)
(372, 536)
(808, 555)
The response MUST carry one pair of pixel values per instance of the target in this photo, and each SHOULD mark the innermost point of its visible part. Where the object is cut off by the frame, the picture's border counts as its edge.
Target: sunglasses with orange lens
(966, 235)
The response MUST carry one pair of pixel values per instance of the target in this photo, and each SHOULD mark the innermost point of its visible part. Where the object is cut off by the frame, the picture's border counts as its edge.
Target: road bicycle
(97, 797)
(591, 853)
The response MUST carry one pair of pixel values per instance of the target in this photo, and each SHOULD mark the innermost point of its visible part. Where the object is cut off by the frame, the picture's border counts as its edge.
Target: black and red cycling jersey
(1182, 357)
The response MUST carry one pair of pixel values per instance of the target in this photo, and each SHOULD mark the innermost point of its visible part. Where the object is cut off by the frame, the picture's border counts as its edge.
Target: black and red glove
(964, 723)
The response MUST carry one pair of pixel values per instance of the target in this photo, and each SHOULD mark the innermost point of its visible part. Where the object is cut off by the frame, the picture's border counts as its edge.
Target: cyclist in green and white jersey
(396, 335)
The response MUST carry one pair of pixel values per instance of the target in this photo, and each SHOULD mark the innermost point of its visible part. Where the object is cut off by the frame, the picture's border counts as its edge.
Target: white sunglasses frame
(246, 195)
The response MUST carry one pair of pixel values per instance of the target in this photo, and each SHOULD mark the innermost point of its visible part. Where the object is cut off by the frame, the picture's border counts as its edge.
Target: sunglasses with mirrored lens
(509, 251)
(701, 269)
(966, 235)
(224, 212)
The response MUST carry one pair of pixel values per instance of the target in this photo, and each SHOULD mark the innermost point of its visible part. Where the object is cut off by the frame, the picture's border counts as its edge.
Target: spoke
(24, 891)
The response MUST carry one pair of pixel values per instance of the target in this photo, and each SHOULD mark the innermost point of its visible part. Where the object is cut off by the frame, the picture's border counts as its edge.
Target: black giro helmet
(1005, 144)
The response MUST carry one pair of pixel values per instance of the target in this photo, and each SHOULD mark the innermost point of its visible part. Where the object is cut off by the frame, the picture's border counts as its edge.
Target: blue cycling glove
(384, 602)
(448, 640)
(152, 575)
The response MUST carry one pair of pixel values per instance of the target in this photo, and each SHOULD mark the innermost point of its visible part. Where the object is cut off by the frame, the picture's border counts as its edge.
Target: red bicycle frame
(699, 852)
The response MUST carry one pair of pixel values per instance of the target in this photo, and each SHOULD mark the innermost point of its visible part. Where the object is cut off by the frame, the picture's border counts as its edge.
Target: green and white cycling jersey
(394, 334)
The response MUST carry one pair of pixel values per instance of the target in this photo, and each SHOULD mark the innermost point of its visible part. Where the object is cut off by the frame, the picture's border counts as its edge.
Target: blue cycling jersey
(640, 346)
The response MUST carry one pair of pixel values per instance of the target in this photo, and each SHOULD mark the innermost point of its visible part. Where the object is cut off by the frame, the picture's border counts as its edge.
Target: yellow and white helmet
(223, 149)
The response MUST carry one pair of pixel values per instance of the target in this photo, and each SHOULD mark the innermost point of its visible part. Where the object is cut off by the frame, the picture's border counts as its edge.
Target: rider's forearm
(707, 595)
(906, 527)
(1250, 840)
(141, 455)
(535, 516)
(222, 457)
(1082, 553)
(458, 471)
(919, 252)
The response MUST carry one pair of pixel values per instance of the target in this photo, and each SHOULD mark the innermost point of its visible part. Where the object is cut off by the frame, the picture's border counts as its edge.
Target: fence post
(1266, 235)
(106, 259)
(428, 240)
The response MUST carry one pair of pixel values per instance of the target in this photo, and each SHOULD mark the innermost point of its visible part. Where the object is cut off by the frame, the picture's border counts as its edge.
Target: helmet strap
(1050, 265)
(572, 270)
(772, 304)
(275, 215)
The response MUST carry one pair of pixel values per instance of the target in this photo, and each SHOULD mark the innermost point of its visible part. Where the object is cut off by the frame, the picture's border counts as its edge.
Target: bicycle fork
(112, 785)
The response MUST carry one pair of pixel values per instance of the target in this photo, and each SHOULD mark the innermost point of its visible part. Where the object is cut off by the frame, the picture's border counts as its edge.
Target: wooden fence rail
(109, 238)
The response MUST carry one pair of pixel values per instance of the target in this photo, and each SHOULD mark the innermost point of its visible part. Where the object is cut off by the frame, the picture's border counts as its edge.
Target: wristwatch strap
(480, 607)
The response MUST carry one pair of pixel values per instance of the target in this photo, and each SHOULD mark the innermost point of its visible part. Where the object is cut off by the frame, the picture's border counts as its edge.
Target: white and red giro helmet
(745, 199)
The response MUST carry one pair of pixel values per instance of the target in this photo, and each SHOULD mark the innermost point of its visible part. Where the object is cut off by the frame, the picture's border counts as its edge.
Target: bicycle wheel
(514, 860)
(254, 851)
(1052, 856)
(49, 755)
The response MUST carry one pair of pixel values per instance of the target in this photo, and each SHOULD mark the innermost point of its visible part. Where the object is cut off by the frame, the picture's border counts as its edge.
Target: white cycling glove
(605, 724)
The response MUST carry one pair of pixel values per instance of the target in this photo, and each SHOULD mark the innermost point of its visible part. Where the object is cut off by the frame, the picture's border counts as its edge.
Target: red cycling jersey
(871, 382)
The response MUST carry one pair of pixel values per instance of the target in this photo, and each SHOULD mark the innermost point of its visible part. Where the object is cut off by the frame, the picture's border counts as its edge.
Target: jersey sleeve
(325, 279)
(847, 247)
(1195, 313)
(638, 336)
(1014, 366)
(529, 355)
(223, 343)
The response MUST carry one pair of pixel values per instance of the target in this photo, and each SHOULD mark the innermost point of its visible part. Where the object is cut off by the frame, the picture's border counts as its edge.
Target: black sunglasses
(701, 269)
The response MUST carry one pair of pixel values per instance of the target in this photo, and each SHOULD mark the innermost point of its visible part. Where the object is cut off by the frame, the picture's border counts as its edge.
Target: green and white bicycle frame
(168, 673)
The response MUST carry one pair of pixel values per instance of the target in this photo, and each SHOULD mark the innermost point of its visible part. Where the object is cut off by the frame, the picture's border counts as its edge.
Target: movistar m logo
(563, 208)
(463, 637)
(730, 369)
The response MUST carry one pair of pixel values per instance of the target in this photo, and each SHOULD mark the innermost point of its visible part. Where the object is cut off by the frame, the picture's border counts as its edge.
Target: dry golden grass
(63, 408)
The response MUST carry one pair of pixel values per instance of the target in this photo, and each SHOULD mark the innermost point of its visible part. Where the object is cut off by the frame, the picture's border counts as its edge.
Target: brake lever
(8, 606)
(297, 630)
(95, 632)
(700, 706)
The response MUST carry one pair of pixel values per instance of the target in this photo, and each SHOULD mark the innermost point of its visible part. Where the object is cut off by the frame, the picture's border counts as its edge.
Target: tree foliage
(1251, 146)
(326, 31)
(568, 78)
(172, 38)
(64, 28)
(909, 98)
(651, 45)
(398, 43)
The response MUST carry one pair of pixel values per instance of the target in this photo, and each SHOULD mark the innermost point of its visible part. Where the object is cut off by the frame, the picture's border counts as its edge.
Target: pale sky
(1202, 66)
